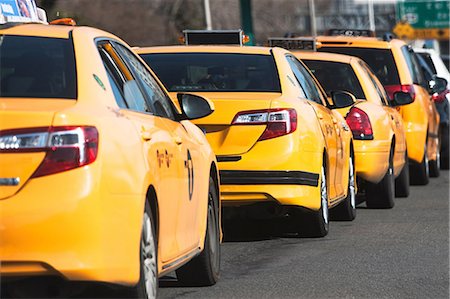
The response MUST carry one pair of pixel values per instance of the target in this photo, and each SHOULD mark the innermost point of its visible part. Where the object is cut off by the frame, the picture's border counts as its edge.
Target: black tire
(381, 195)
(346, 210)
(419, 173)
(435, 166)
(402, 181)
(313, 224)
(444, 138)
(204, 269)
(147, 286)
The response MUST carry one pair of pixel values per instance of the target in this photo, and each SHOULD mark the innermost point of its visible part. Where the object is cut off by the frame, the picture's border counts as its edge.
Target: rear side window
(413, 66)
(215, 72)
(381, 61)
(336, 76)
(305, 80)
(37, 67)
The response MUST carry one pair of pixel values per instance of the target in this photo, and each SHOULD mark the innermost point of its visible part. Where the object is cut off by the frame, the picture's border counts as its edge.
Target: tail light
(409, 88)
(66, 147)
(440, 97)
(279, 121)
(359, 123)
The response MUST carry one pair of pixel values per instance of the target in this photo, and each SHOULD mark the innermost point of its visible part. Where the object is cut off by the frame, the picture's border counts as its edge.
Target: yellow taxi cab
(102, 178)
(377, 127)
(395, 65)
(281, 150)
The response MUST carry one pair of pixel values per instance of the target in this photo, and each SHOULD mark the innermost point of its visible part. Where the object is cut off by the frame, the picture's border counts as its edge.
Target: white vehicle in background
(432, 67)
(436, 64)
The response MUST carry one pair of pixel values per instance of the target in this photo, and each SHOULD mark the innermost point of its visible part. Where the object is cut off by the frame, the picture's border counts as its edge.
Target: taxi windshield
(336, 76)
(37, 67)
(215, 72)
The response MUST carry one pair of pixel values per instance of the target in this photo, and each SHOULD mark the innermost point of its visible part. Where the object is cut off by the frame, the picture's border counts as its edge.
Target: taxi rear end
(394, 64)
(55, 203)
(255, 135)
(379, 138)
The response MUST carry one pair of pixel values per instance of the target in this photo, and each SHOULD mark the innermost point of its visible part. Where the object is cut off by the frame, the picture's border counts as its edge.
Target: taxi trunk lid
(225, 138)
(27, 116)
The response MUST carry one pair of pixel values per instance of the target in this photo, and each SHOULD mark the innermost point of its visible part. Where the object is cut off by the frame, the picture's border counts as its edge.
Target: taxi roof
(41, 30)
(358, 41)
(205, 49)
(325, 56)
(52, 31)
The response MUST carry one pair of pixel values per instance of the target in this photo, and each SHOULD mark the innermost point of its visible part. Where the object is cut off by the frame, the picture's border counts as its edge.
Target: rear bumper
(287, 188)
(371, 159)
(66, 225)
(245, 177)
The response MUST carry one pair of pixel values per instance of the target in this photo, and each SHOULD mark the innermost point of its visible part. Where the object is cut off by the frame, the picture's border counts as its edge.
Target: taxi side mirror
(437, 84)
(342, 99)
(401, 98)
(194, 106)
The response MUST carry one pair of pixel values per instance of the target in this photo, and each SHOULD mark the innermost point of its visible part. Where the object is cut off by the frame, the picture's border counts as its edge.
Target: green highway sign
(423, 14)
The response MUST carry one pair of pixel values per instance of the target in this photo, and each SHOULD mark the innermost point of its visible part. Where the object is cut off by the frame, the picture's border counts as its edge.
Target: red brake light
(66, 147)
(392, 89)
(279, 121)
(440, 97)
(359, 123)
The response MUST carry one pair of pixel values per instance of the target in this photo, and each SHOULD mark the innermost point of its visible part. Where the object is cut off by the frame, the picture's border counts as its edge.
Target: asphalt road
(397, 253)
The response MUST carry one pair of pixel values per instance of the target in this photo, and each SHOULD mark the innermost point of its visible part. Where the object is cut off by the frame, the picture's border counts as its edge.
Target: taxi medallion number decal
(190, 167)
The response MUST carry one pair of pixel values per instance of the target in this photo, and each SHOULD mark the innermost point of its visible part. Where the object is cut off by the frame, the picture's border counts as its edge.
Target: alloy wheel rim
(324, 197)
(352, 184)
(149, 258)
(212, 232)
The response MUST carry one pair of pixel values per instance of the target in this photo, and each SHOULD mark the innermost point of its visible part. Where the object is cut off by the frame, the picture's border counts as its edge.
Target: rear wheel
(435, 165)
(444, 138)
(346, 210)
(204, 269)
(381, 195)
(402, 181)
(147, 286)
(419, 173)
(314, 223)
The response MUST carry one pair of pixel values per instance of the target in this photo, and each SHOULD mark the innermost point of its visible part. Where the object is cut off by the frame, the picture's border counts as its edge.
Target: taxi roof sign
(351, 32)
(213, 37)
(293, 43)
(21, 11)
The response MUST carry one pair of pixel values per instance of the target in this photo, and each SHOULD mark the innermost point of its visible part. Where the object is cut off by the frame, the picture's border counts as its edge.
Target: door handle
(319, 115)
(178, 140)
(335, 121)
(146, 135)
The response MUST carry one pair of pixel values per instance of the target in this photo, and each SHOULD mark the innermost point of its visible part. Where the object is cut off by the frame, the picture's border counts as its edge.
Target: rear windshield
(37, 67)
(215, 72)
(380, 61)
(336, 76)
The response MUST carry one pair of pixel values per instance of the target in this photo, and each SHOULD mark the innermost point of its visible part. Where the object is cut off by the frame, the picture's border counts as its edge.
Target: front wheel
(204, 269)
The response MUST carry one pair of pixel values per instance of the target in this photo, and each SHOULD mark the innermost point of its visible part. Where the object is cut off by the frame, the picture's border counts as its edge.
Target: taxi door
(158, 143)
(184, 159)
(395, 117)
(326, 120)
